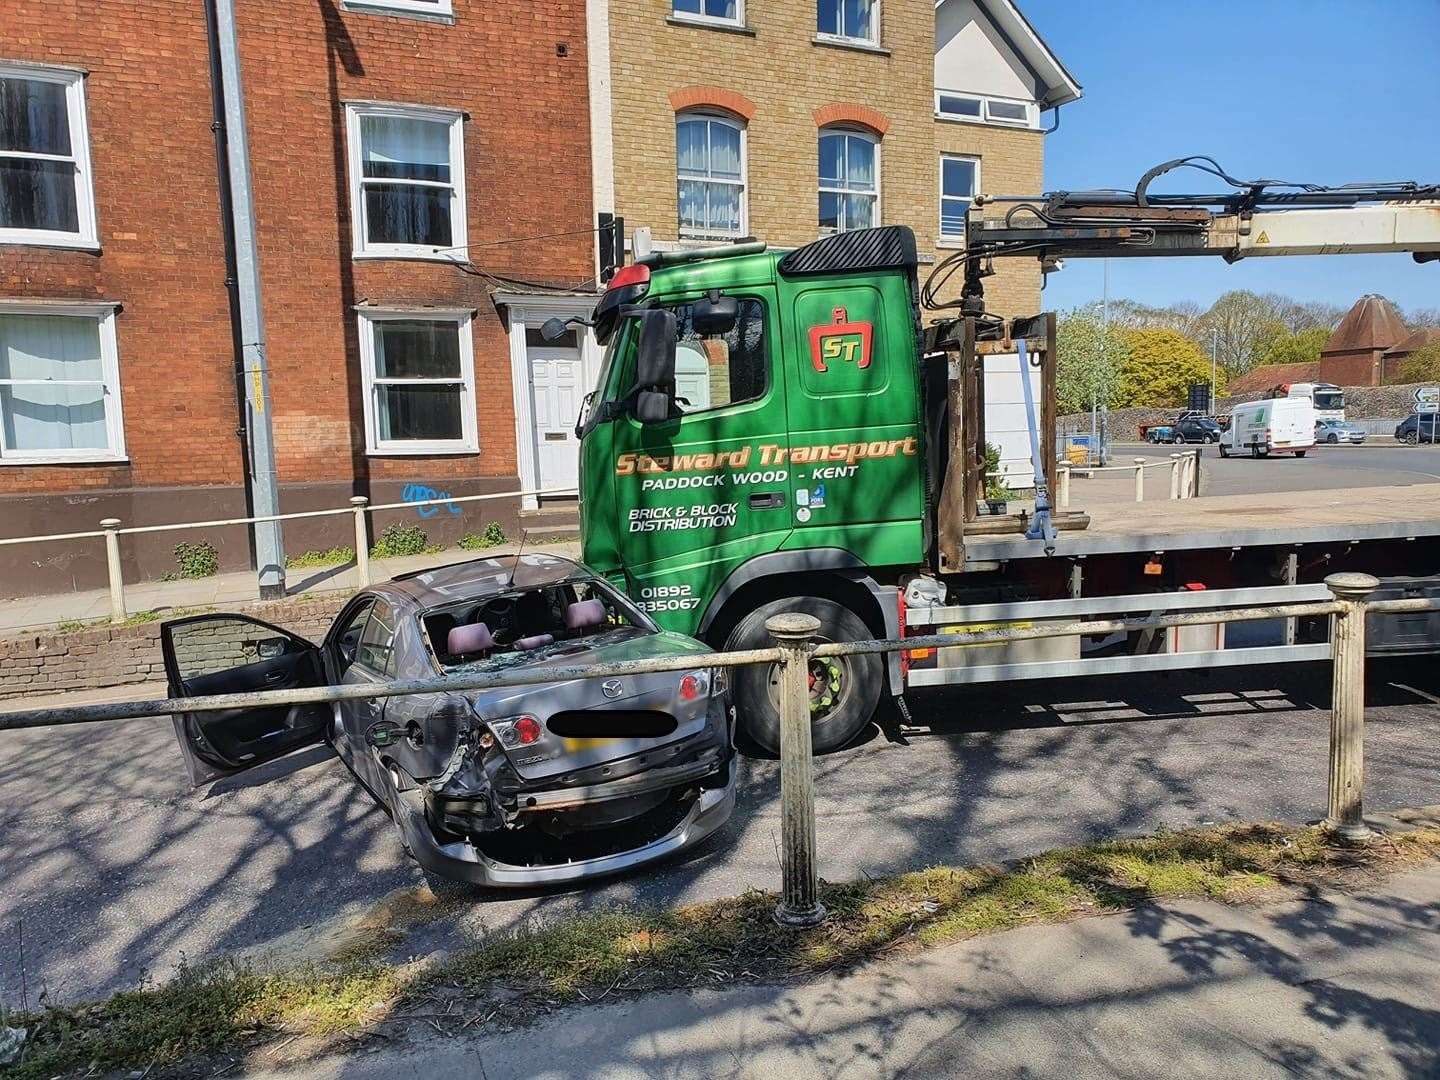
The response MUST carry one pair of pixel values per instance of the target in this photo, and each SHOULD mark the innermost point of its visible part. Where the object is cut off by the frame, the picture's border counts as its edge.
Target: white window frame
(954, 239)
(104, 314)
(361, 247)
(701, 19)
(873, 40)
(874, 140)
(986, 116)
(440, 10)
(469, 442)
(87, 233)
(715, 117)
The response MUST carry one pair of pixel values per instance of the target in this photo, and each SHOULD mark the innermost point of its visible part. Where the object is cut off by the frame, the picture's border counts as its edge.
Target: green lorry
(779, 431)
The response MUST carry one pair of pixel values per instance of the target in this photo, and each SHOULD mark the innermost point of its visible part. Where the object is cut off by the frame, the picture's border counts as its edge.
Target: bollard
(1063, 495)
(799, 900)
(1347, 709)
(1176, 465)
(1139, 479)
(113, 570)
(1195, 476)
(362, 541)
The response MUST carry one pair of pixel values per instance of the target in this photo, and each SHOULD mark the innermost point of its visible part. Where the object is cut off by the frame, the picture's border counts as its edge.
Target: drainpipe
(254, 368)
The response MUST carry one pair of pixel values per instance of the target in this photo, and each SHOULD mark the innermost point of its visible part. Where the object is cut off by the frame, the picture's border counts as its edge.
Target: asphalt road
(111, 870)
(1326, 467)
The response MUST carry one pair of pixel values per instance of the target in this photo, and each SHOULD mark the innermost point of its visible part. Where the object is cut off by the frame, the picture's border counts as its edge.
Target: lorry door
(698, 495)
(855, 474)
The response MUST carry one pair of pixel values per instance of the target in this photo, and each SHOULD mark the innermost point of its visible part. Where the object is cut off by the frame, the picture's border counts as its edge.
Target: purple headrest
(585, 614)
(535, 642)
(472, 638)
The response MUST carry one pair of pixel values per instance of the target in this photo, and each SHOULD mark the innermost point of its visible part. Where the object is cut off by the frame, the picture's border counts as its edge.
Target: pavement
(1333, 985)
(115, 870)
(228, 590)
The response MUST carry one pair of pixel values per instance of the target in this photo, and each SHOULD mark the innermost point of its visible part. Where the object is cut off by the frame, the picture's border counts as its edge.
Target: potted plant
(997, 492)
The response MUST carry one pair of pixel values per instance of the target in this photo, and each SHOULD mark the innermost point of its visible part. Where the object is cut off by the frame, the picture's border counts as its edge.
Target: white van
(1273, 426)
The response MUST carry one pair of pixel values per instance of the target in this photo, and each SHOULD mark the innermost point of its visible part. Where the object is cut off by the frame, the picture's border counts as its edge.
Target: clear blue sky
(1324, 91)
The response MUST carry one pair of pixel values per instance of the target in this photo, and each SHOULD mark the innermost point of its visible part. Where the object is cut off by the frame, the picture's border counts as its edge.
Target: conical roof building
(1353, 355)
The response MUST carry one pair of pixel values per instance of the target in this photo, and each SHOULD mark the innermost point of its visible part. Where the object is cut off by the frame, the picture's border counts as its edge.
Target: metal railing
(111, 530)
(795, 646)
(1184, 475)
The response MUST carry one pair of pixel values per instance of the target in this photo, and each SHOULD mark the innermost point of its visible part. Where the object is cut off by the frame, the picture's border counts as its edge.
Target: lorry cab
(757, 427)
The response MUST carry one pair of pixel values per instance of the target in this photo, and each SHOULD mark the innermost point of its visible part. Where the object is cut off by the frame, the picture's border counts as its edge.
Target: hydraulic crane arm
(1258, 217)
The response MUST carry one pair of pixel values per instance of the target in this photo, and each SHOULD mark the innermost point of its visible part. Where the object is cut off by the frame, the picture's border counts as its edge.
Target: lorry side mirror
(554, 329)
(655, 366)
(714, 317)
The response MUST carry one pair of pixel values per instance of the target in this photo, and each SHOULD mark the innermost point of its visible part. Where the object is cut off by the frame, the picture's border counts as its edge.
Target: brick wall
(55, 663)
(148, 99)
(778, 80)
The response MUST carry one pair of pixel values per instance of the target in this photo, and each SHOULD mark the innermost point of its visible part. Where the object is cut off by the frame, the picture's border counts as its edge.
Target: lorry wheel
(844, 690)
(1300, 453)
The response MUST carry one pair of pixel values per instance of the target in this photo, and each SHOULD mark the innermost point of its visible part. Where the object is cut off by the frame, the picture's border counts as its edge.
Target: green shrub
(197, 560)
(995, 487)
(491, 536)
(397, 539)
(334, 556)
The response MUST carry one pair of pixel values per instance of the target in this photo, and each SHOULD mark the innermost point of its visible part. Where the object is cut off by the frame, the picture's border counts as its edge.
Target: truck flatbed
(1263, 520)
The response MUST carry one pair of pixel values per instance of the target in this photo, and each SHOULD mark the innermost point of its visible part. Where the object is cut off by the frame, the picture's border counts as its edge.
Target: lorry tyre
(844, 689)
(1300, 453)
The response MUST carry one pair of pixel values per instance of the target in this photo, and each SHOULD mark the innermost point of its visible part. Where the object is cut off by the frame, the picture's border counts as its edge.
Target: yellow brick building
(718, 119)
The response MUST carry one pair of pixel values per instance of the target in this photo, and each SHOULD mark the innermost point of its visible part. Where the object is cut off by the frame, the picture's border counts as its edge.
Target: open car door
(231, 654)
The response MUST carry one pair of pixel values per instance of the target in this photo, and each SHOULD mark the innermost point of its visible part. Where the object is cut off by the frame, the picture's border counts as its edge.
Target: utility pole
(1104, 351)
(1214, 360)
(255, 369)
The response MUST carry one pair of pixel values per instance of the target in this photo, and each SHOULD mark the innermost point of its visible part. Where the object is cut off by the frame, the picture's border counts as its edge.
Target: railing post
(1347, 708)
(1176, 465)
(1194, 486)
(1139, 479)
(799, 898)
(113, 570)
(362, 541)
(1063, 495)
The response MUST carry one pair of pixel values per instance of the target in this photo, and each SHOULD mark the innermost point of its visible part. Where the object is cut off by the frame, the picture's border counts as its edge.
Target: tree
(1293, 348)
(1421, 318)
(1423, 365)
(1243, 323)
(1089, 357)
(1159, 368)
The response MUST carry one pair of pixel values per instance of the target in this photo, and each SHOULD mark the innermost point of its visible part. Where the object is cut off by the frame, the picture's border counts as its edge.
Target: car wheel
(1411, 438)
(844, 689)
(1176, 440)
(1212, 438)
(1223, 452)
(1300, 453)
(1333, 439)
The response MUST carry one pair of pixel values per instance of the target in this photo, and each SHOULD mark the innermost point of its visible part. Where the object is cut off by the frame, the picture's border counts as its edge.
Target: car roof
(476, 579)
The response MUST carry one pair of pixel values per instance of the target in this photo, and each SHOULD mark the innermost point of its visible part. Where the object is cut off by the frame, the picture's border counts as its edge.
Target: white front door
(556, 387)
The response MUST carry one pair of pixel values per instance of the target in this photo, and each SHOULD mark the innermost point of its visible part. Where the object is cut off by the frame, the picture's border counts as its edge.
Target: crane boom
(1256, 218)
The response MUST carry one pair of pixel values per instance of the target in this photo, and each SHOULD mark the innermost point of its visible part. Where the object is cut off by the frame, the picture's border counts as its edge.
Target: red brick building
(397, 146)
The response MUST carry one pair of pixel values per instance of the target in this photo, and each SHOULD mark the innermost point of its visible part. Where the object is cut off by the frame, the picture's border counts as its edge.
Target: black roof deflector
(889, 248)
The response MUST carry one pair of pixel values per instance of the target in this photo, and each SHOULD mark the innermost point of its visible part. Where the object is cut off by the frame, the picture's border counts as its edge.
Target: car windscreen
(520, 625)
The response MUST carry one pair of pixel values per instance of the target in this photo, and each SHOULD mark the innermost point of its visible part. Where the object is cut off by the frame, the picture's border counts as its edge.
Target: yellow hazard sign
(1263, 238)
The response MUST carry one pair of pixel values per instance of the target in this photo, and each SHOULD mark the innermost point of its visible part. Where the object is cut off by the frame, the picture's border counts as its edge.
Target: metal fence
(795, 647)
(111, 530)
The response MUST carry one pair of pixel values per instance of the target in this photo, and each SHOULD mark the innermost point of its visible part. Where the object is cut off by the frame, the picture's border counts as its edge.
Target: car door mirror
(271, 648)
(655, 366)
(711, 317)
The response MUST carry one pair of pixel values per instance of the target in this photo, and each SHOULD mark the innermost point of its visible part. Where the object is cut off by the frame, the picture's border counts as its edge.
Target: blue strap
(1042, 527)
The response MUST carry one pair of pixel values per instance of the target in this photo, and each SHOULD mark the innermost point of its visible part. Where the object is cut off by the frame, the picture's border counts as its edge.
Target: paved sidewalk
(222, 590)
(1334, 986)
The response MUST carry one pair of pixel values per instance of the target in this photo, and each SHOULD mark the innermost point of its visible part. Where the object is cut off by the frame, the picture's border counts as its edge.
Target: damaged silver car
(528, 785)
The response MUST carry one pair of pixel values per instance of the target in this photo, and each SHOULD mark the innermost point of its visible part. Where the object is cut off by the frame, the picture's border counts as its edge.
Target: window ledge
(853, 44)
(415, 452)
(358, 7)
(950, 242)
(106, 459)
(706, 24)
(68, 243)
(410, 256)
(999, 124)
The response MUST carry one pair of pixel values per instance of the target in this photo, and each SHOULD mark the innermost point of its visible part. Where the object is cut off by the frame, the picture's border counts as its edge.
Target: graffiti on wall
(436, 500)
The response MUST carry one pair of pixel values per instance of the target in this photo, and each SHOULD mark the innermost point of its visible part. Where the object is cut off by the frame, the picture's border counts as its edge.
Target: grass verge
(228, 1006)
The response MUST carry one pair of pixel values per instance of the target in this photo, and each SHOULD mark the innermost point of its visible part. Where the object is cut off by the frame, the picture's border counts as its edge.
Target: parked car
(1189, 428)
(509, 786)
(1338, 431)
(1418, 428)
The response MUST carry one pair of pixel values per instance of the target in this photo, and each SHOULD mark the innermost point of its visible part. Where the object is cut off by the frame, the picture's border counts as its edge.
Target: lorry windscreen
(1329, 399)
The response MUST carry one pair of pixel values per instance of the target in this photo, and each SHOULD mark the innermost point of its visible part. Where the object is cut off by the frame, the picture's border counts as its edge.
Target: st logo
(841, 340)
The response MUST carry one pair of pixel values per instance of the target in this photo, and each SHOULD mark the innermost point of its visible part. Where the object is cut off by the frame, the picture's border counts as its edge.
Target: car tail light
(527, 730)
(516, 731)
(694, 686)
